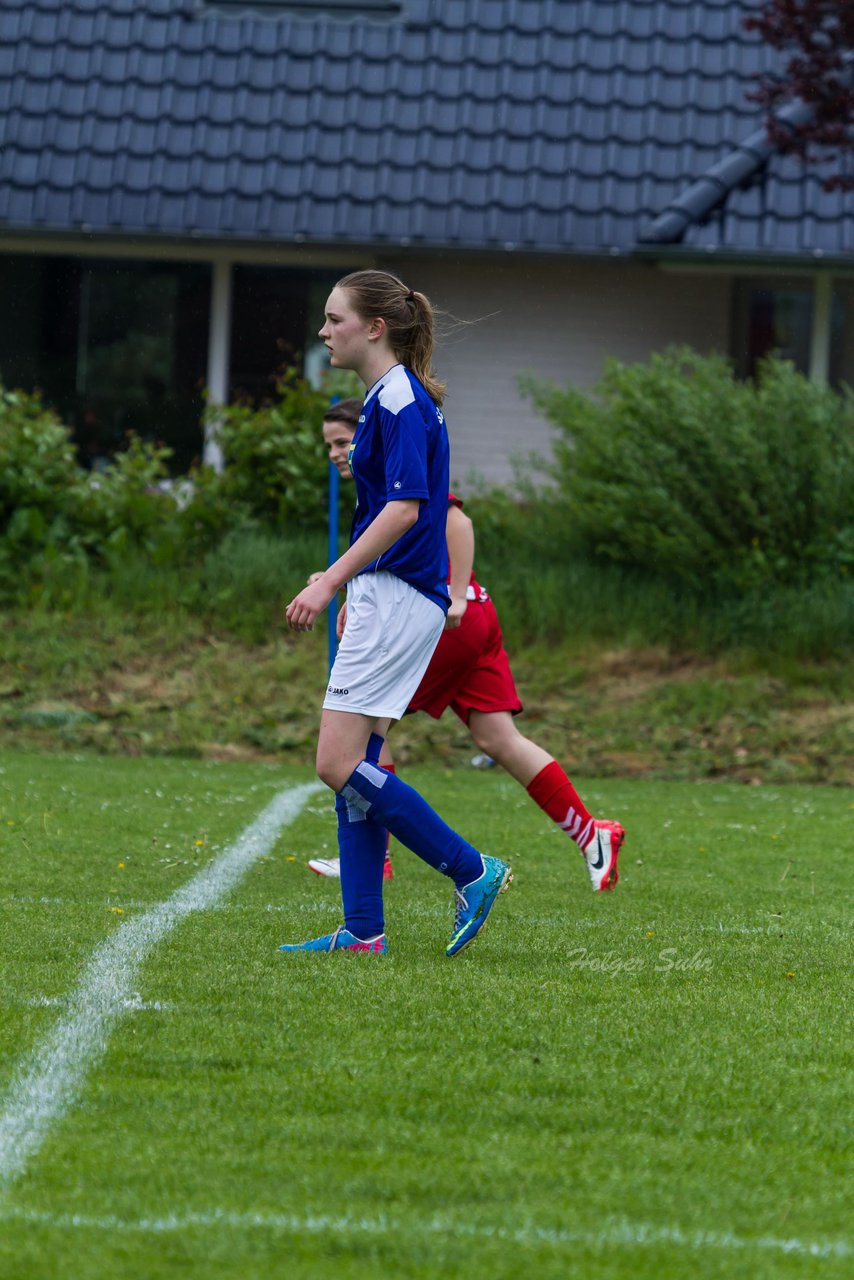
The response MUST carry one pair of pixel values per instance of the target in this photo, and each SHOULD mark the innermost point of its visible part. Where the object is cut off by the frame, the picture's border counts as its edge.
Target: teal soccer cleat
(341, 940)
(475, 901)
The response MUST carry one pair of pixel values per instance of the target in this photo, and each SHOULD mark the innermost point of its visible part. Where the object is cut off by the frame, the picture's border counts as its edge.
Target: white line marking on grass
(617, 1232)
(48, 1083)
(134, 1003)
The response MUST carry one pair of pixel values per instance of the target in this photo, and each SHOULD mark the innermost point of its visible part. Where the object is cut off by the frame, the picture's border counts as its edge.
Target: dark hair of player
(346, 411)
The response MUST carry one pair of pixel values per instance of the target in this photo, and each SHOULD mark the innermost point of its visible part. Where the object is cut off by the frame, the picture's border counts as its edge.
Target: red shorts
(469, 670)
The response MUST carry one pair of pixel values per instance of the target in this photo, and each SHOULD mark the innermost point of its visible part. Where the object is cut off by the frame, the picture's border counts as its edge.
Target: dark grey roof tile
(173, 176)
(670, 128)
(469, 225)
(35, 96)
(8, 62)
(551, 193)
(431, 149)
(101, 172)
(41, 25)
(213, 177)
(171, 208)
(477, 189)
(57, 212)
(669, 163)
(206, 213)
(704, 131)
(527, 119)
(16, 205)
(31, 132)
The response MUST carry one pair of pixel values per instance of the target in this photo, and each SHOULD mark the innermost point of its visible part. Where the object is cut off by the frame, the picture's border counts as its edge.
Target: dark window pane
(115, 346)
(276, 313)
(772, 318)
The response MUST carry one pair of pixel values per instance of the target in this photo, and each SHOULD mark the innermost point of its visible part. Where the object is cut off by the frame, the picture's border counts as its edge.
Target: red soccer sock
(556, 796)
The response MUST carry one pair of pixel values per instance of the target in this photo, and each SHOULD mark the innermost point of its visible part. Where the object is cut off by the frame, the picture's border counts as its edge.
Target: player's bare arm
(459, 533)
(395, 519)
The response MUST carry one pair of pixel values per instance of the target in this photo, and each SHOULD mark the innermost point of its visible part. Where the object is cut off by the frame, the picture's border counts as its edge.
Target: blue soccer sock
(361, 844)
(388, 802)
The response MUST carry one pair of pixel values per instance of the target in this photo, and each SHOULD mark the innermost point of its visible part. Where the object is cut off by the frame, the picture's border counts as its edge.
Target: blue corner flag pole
(332, 556)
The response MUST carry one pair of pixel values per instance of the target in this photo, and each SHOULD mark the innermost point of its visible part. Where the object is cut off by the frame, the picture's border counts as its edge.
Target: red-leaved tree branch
(818, 36)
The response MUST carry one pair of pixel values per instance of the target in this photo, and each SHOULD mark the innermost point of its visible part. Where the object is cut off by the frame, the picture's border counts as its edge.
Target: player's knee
(490, 731)
(331, 771)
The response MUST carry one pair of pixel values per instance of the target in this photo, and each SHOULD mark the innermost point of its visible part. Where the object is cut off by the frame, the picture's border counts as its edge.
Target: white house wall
(557, 319)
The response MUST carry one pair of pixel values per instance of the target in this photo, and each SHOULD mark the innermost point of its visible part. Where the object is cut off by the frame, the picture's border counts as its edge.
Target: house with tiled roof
(181, 181)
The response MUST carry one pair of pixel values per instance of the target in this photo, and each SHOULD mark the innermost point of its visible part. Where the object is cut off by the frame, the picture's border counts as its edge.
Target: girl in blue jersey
(395, 570)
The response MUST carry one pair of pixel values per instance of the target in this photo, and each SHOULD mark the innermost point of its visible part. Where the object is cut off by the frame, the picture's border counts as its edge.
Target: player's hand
(304, 608)
(455, 613)
(314, 577)
(341, 621)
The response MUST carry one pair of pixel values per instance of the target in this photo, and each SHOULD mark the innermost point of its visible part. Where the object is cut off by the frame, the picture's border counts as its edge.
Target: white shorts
(388, 641)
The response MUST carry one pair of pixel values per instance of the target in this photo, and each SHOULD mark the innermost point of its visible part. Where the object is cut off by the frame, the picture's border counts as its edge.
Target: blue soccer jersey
(400, 450)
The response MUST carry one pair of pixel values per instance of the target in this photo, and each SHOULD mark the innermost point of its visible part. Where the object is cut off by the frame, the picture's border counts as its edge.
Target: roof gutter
(676, 257)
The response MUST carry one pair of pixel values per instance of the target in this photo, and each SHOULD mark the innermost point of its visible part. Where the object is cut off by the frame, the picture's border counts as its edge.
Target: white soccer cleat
(602, 853)
(328, 867)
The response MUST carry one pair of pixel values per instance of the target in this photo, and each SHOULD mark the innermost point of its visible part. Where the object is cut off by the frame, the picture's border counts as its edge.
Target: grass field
(648, 1083)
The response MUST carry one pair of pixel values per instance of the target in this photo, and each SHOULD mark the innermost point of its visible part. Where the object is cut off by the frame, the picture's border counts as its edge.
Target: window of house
(275, 315)
(842, 335)
(774, 316)
(115, 347)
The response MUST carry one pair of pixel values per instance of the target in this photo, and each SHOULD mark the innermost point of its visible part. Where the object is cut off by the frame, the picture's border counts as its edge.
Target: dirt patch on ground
(627, 677)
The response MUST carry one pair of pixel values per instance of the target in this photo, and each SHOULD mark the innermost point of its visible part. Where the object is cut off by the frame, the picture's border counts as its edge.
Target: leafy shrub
(676, 468)
(126, 508)
(42, 490)
(41, 484)
(275, 462)
(56, 518)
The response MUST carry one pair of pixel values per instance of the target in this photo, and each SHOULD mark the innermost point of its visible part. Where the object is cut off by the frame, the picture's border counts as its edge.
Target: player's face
(337, 437)
(344, 332)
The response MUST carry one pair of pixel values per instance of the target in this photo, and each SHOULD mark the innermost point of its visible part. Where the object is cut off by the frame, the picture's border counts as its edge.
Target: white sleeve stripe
(397, 393)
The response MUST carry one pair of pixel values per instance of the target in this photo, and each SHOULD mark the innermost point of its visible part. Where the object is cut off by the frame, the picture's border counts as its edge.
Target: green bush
(42, 493)
(676, 468)
(275, 461)
(41, 484)
(57, 519)
(126, 508)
